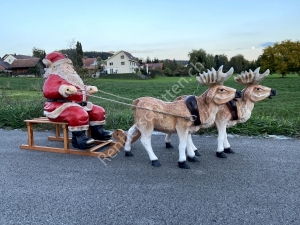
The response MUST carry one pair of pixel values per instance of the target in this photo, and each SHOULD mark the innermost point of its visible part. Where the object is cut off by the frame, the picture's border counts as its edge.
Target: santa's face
(68, 68)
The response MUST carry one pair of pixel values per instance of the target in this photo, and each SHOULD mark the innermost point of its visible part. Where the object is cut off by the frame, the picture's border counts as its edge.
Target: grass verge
(21, 98)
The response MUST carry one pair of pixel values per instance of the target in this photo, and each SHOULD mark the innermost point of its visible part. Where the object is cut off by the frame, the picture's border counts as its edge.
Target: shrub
(168, 72)
(14, 112)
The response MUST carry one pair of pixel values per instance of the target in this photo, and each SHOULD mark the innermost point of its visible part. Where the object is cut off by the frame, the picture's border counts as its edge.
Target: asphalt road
(260, 184)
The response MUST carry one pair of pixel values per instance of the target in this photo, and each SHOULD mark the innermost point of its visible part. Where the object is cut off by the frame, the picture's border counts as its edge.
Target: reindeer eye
(222, 90)
(258, 89)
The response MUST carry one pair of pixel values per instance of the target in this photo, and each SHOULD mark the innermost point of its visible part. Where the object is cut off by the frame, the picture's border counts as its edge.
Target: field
(21, 98)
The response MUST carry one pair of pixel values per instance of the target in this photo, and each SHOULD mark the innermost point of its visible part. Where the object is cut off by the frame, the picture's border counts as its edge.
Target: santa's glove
(91, 89)
(67, 90)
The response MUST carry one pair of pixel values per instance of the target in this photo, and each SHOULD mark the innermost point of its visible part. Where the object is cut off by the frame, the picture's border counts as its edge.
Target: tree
(175, 64)
(158, 70)
(179, 65)
(282, 57)
(74, 53)
(93, 54)
(38, 53)
(252, 65)
(222, 60)
(79, 54)
(70, 51)
(167, 71)
(200, 60)
(140, 61)
(239, 63)
(148, 60)
(155, 60)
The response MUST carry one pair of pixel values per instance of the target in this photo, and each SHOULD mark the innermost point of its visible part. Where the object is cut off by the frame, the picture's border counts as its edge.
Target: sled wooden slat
(113, 146)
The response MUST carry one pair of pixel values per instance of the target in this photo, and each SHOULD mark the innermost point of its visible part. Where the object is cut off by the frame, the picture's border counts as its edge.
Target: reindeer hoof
(221, 155)
(128, 154)
(168, 145)
(193, 159)
(156, 163)
(183, 165)
(228, 150)
(197, 153)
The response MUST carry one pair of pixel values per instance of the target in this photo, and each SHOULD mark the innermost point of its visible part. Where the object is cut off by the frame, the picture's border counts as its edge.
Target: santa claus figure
(67, 101)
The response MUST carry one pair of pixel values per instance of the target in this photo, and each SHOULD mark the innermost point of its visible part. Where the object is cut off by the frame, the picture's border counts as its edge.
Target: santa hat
(54, 57)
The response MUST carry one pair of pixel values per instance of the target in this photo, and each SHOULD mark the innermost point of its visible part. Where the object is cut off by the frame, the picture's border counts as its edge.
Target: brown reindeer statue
(181, 117)
(237, 110)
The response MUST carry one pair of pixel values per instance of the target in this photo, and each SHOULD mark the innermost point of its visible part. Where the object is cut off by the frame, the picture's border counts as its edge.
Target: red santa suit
(67, 96)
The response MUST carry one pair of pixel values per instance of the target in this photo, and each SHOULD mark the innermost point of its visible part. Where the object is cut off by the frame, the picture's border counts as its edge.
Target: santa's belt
(83, 103)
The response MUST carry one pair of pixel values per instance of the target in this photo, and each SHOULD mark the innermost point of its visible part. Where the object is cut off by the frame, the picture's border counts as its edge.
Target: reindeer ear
(210, 94)
(246, 94)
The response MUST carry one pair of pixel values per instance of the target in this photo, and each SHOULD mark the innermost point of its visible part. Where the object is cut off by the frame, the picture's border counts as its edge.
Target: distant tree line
(201, 61)
(282, 58)
(102, 55)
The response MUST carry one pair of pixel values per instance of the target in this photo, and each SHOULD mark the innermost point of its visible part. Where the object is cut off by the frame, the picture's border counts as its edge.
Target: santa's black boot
(81, 141)
(99, 133)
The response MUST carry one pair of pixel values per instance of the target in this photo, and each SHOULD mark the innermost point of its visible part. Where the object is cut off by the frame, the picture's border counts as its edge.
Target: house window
(122, 56)
(111, 63)
(122, 63)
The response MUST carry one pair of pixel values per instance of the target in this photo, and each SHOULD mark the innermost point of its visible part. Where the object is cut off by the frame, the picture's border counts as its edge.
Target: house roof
(21, 63)
(126, 53)
(130, 56)
(88, 61)
(22, 56)
(4, 64)
(17, 56)
(155, 65)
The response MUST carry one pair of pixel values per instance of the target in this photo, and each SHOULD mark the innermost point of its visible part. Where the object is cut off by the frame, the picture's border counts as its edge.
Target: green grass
(21, 98)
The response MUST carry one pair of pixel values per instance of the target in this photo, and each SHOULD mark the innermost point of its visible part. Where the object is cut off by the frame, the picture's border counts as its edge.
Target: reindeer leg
(193, 146)
(182, 147)
(221, 131)
(168, 141)
(146, 142)
(191, 154)
(131, 133)
(227, 148)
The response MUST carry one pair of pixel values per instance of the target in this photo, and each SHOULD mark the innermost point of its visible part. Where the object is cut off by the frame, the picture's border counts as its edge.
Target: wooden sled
(111, 147)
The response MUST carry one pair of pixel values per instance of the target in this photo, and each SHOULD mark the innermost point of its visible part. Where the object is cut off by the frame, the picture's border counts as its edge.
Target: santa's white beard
(67, 73)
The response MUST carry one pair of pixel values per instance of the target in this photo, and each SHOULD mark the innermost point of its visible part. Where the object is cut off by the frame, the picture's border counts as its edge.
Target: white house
(121, 62)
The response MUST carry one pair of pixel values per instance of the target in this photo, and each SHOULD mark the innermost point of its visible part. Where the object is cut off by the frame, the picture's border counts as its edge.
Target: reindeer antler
(248, 78)
(214, 77)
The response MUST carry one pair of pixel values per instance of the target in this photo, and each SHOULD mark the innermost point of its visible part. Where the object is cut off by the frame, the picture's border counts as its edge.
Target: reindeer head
(218, 93)
(254, 91)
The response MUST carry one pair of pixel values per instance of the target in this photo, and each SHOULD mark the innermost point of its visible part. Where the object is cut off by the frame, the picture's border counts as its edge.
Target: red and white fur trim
(78, 128)
(55, 113)
(88, 107)
(95, 123)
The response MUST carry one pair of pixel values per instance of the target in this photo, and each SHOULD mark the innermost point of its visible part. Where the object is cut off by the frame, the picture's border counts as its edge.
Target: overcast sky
(162, 29)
